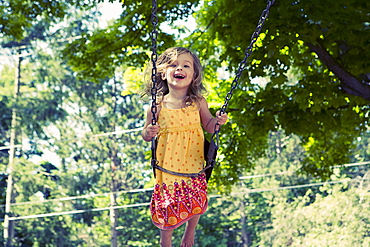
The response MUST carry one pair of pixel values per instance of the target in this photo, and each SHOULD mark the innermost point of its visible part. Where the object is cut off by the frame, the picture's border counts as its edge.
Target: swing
(210, 147)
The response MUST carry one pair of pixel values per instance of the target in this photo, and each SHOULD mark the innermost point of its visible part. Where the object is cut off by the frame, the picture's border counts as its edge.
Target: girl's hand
(151, 130)
(221, 118)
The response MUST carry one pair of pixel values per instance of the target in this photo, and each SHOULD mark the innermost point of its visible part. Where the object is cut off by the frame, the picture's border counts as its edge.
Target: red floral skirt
(174, 204)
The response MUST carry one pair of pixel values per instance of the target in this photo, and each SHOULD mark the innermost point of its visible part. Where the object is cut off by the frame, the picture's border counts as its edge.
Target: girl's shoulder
(198, 103)
(202, 102)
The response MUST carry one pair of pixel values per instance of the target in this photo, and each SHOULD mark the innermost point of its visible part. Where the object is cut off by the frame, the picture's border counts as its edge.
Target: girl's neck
(174, 100)
(176, 95)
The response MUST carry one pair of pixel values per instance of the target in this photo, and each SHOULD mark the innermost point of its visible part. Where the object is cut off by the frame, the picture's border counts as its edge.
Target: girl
(181, 111)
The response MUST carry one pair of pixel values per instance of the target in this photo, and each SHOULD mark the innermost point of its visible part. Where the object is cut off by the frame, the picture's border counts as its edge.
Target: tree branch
(350, 84)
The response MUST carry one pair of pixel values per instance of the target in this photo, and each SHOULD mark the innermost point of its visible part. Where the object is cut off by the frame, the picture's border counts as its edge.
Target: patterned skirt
(174, 204)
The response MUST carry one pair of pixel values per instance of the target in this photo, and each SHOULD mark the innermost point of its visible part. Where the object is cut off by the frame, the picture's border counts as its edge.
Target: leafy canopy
(311, 57)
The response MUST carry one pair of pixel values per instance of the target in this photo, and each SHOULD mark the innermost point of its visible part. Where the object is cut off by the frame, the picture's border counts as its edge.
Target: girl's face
(180, 73)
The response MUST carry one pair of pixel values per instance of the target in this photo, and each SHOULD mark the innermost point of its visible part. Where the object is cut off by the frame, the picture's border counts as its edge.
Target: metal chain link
(154, 36)
(241, 68)
(153, 91)
(247, 53)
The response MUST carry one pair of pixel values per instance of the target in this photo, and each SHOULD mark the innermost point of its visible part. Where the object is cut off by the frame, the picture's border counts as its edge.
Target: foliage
(52, 102)
(341, 218)
(305, 93)
(19, 16)
(300, 110)
(126, 41)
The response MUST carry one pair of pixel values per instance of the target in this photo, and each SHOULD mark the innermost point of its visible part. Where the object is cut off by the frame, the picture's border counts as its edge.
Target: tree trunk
(8, 224)
(112, 212)
(350, 84)
(114, 165)
(244, 232)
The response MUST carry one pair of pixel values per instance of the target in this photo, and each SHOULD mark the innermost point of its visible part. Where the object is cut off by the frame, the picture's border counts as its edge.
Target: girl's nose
(179, 67)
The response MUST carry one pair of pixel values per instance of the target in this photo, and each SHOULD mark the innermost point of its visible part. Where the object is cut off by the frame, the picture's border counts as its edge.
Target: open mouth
(179, 76)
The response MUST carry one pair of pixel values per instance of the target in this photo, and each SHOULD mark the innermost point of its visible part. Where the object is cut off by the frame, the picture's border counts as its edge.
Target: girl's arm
(207, 119)
(149, 131)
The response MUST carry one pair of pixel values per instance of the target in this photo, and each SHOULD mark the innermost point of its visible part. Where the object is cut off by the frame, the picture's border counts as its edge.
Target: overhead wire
(248, 191)
(291, 172)
(151, 189)
(77, 211)
(84, 137)
(70, 198)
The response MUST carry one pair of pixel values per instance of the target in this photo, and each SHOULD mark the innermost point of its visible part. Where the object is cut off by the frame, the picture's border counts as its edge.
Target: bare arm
(208, 120)
(149, 131)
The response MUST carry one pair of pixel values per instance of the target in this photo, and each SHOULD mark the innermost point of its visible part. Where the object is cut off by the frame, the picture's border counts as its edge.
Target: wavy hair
(196, 88)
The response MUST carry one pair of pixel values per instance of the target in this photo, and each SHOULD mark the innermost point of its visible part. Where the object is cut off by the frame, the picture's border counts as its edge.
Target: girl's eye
(186, 66)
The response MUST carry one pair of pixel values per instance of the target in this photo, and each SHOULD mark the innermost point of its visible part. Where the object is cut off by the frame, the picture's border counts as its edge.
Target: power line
(147, 203)
(84, 137)
(118, 132)
(265, 175)
(293, 187)
(9, 147)
(352, 164)
(70, 198)
(150, 189)
(78, 211)
(291, 172)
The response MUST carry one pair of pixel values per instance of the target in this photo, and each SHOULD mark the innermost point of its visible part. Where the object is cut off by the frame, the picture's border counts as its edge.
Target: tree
(315, 71)
(341, 218)
(300, 106)
(22, 24)
(18, 16)
(126, 41)
(104, 161)
(323, 42)
(316, 82)
(37, 183)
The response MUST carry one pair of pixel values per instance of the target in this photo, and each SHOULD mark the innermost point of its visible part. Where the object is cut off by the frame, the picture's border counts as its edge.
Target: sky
(110, 10)
(113, 10)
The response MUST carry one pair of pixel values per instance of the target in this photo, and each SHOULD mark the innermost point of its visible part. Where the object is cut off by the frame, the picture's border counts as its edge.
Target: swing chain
(247, 53)
(153, 91)
(154, 36)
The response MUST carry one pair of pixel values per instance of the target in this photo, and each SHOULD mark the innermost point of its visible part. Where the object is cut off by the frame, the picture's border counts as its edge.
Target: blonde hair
(196, 88)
